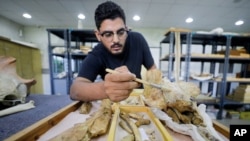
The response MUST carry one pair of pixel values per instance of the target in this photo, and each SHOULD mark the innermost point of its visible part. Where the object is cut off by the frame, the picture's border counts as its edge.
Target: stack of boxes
(242, 93)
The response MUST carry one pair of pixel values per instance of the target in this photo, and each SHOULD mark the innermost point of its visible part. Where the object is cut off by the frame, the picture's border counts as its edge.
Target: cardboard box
(233, 114)
(231, 52)
(245, 115)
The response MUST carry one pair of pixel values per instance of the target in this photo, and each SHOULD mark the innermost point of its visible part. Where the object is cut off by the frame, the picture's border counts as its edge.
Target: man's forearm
(83, 91)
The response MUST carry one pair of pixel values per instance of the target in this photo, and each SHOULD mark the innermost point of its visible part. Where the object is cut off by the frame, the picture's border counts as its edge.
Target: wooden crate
(155, 125)
(33, 132)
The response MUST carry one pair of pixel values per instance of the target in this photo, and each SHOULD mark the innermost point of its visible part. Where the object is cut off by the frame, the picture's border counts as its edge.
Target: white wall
(10, 29)
(38, 36)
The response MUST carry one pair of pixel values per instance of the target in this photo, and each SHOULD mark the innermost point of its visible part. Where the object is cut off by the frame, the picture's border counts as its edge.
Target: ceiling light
(240, 22)
(136, 18)
(81, 16)
(26, 15)
(189, 20)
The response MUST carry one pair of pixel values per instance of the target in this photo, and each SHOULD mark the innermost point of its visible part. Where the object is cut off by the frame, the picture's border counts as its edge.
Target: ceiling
(207, 14)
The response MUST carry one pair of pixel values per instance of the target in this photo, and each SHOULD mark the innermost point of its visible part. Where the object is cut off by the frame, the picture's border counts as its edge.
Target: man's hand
(118, 86)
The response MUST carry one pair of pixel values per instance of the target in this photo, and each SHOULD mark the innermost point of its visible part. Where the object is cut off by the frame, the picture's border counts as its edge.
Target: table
(45, 106)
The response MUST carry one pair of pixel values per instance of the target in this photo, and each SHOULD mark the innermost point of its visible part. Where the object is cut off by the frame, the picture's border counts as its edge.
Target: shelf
(83, 35)
(210, 39)
(58, 54)
(213, 101)
(207, 39)
(56, 78)
(243, 80)
(231, 79)
(212, 57)
(209, 58)
(72, 57)
(229, 101)
(61, 33)
(54, 46)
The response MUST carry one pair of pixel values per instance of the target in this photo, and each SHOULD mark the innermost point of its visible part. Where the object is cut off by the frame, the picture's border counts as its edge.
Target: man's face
(113, 34)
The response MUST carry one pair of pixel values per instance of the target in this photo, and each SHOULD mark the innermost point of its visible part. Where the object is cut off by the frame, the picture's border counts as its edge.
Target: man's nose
(115, 38)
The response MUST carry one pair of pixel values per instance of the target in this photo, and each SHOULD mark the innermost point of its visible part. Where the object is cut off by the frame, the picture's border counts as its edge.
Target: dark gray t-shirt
(136, 53)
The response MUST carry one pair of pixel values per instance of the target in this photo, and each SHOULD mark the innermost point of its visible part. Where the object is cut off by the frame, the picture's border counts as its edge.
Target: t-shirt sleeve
(89, 67)
(148, 60)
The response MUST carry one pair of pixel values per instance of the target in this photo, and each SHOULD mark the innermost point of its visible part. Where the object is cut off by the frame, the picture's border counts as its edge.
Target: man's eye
(120, 32)
(107, 34)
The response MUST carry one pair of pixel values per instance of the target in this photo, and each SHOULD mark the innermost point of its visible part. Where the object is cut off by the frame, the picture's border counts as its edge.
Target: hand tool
(143, 81)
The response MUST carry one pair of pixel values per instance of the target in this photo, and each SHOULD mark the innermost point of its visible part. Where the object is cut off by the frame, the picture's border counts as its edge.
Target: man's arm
(83, 89)
(115, 86)
(152, 67)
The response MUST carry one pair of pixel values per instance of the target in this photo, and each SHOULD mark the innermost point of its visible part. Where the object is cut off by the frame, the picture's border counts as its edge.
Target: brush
(143, 81)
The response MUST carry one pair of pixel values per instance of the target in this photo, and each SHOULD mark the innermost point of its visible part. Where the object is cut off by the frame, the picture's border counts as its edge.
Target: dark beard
(119, 45)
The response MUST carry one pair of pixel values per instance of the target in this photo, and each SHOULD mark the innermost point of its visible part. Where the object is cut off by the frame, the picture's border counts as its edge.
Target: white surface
(190, 129)
(75, 117)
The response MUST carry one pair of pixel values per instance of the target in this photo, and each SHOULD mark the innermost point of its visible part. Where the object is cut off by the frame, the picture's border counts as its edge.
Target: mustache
(116, 44)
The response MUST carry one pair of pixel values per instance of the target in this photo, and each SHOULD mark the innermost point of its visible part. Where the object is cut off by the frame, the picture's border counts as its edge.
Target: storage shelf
(226, 61)
(214, 101)
(72, 39)
(211, 57)
(229, 101)
(246, 80)
(74, 55)
(54, 46)
(58, 54)
(229, 79)
(210, 39)
(56, 78)
(85, 35)
(58, 32)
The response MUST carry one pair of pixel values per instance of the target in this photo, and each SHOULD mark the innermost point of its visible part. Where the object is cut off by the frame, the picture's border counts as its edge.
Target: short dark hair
(108, 10)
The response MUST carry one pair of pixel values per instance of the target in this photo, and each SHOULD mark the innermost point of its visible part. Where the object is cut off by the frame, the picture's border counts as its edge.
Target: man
(119, 49)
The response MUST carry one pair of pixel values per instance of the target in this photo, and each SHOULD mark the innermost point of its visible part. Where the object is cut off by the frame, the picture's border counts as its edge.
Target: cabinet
(66, 54)
(208, 60)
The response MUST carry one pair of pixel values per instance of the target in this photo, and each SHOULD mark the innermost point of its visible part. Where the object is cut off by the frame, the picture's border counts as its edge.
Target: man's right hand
(118, 86)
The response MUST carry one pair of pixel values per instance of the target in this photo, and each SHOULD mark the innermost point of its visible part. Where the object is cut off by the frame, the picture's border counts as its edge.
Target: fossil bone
(12, 86)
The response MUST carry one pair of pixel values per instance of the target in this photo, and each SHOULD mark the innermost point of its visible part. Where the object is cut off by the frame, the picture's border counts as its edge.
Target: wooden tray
(33, 132)
(134, 99)
(117, 133)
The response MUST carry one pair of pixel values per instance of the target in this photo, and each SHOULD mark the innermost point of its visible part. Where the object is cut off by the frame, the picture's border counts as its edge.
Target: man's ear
(97, 35)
